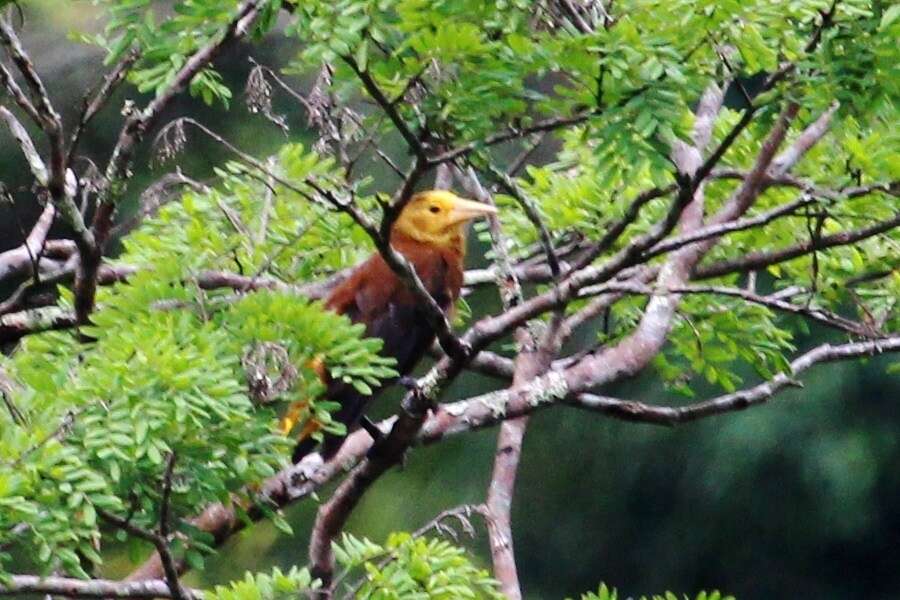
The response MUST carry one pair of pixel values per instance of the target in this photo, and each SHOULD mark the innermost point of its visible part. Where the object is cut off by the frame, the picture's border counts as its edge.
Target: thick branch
(60, 181)
(20, 585)
(489, 409)
(17, 325)
(633, 353)
(333, 514)
(750, 187)
(759, 394)
(532, 360)
(806, 140)
(501, 489)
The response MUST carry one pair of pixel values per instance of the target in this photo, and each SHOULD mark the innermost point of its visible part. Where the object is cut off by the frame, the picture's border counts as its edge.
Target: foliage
(404, 568)
(101, 418)
(408, 567)
(260, 586)
(161, 373)
(605, 593)
(164, 39)
(712, 338)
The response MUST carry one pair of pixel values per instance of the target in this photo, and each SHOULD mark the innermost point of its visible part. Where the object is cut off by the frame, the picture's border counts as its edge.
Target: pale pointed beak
(466, 210)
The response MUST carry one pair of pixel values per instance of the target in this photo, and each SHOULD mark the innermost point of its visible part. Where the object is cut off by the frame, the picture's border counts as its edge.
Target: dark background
(800, 498)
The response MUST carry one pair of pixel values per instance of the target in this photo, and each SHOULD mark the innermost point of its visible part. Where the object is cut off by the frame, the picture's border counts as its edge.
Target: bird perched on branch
(430, 233)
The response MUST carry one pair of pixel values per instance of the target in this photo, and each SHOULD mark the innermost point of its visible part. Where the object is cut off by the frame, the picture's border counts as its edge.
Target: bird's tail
(306, 443)
(304, 446)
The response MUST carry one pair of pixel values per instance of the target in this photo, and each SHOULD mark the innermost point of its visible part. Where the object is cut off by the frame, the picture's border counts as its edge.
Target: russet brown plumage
(430, 233)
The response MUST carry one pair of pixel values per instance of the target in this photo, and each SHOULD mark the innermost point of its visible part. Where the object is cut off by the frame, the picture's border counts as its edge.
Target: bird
(430, 232)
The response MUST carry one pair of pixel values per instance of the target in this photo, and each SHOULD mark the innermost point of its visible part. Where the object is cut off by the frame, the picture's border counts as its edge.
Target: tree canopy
(686, 188)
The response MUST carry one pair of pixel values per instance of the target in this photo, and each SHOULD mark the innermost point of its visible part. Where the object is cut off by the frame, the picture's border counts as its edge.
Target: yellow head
(439, 217)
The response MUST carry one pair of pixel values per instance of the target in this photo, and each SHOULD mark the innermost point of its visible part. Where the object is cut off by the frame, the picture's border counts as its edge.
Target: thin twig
(755, 261)
(95, 100)
(177, 592)
(165, 503)
(532, 213)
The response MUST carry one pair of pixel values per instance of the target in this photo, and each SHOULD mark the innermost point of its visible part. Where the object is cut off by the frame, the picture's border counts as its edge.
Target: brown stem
(754, 261)
(159, 542)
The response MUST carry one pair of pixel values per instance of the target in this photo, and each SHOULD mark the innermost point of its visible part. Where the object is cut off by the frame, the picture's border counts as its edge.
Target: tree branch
(299, 481)
(133, 131)
(388, 107)
(549, 124)
(616, 229)
(156, 195)
(719, 229)
(533, 214)
(20, 134)
(94, 101)
(489, 409)
(17, 325)
(637, 349)
(19, 585)
(25, 258)
(159, 542)
(754, 261)
(532, 359)
(821, 316)
(47, 117)
(8, 82)
(332, 515)
(60, 181)
(806, 140)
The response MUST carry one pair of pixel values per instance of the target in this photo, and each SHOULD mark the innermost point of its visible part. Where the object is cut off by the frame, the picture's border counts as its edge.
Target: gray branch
(20, 585)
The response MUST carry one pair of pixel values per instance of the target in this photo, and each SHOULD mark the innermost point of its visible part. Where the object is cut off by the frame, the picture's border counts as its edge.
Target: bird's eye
(435, 209)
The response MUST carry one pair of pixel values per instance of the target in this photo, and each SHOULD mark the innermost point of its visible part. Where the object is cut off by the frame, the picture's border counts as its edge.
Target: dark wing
(407, 337)
(373, 295)
(376, 297)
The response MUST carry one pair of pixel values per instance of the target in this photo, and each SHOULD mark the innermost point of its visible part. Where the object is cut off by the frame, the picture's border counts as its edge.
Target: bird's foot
(415, 392)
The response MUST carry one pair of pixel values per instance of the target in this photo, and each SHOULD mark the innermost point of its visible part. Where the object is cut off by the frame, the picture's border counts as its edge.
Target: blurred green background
(798, 499)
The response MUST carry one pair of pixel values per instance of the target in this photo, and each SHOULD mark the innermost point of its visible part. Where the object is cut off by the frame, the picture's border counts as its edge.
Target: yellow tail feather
(293, 415)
